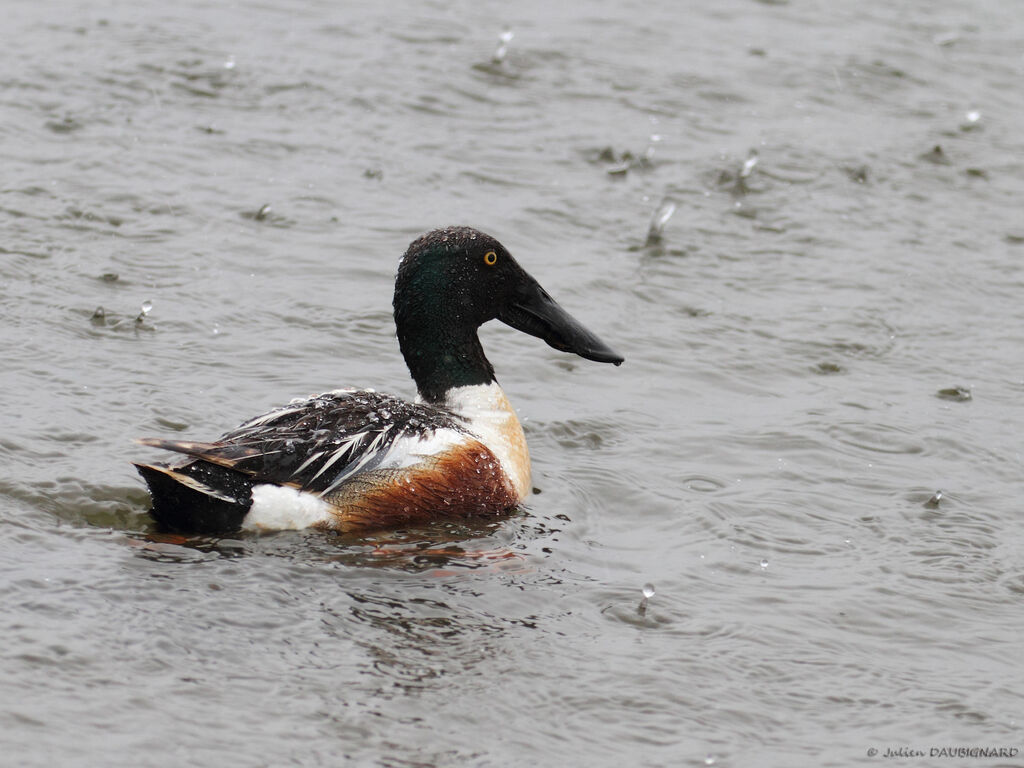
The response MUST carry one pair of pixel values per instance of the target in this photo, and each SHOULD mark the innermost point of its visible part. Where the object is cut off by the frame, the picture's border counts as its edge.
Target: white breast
(492, 418)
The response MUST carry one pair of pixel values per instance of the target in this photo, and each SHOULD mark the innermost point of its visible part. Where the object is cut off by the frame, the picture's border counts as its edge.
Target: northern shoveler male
(354, 460)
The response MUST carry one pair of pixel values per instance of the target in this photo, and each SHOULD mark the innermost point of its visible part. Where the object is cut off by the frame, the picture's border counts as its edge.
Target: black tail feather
(198, 497)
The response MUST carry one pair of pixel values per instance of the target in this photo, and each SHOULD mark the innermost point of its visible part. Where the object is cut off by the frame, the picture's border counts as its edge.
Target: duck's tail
(197, 497)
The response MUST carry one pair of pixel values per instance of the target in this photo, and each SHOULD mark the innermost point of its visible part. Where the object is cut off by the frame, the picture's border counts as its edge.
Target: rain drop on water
(749, 164)
(659, 220)
(146, 307)
(648, 592)
(502, 50)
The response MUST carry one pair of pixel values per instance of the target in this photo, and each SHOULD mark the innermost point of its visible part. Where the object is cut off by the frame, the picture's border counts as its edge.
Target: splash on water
(146, 308)
(659, 220)
(502, 50)
(648, 592)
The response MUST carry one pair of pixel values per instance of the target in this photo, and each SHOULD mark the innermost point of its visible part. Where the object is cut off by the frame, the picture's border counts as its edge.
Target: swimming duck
(358, 460)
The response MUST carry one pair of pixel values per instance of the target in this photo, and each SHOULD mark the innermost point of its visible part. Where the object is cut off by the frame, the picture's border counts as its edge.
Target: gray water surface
(825, 335)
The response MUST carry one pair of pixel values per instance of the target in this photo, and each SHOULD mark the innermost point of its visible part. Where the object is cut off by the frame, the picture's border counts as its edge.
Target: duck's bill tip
(604, 355)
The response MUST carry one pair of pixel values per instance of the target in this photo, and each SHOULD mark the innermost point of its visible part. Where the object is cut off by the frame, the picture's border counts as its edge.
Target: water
(824, 374)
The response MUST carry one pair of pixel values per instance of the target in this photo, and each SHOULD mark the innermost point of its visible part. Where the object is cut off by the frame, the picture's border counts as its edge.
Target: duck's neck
(441, 359)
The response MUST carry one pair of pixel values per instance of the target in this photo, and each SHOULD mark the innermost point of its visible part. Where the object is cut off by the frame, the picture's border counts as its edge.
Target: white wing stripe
(259, 420)
(369, 454)
(347, 447)
(307, 462)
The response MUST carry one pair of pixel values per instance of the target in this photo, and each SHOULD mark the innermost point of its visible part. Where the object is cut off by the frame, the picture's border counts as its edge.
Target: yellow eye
(490, 258)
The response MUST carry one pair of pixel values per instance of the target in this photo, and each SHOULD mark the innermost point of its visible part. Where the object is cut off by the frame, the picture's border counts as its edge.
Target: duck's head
(450, 282)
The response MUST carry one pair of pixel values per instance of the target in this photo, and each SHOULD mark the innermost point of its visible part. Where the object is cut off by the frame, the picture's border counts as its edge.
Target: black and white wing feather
(318, 443)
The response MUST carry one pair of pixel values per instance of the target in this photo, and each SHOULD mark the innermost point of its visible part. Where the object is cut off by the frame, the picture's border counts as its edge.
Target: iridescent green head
(450, 282)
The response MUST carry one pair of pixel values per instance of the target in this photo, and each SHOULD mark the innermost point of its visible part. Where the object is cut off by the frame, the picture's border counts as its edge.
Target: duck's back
(344, 460)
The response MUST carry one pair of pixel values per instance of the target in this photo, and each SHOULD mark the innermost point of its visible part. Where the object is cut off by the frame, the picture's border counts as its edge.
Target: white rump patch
(279, 508)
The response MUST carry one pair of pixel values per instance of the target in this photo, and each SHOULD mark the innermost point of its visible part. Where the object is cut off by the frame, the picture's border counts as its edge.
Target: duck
(354, 461)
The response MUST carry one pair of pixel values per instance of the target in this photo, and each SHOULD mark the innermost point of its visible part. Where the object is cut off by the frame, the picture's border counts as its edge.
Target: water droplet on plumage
(709, 760)
(648, 590)
(764, 564)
